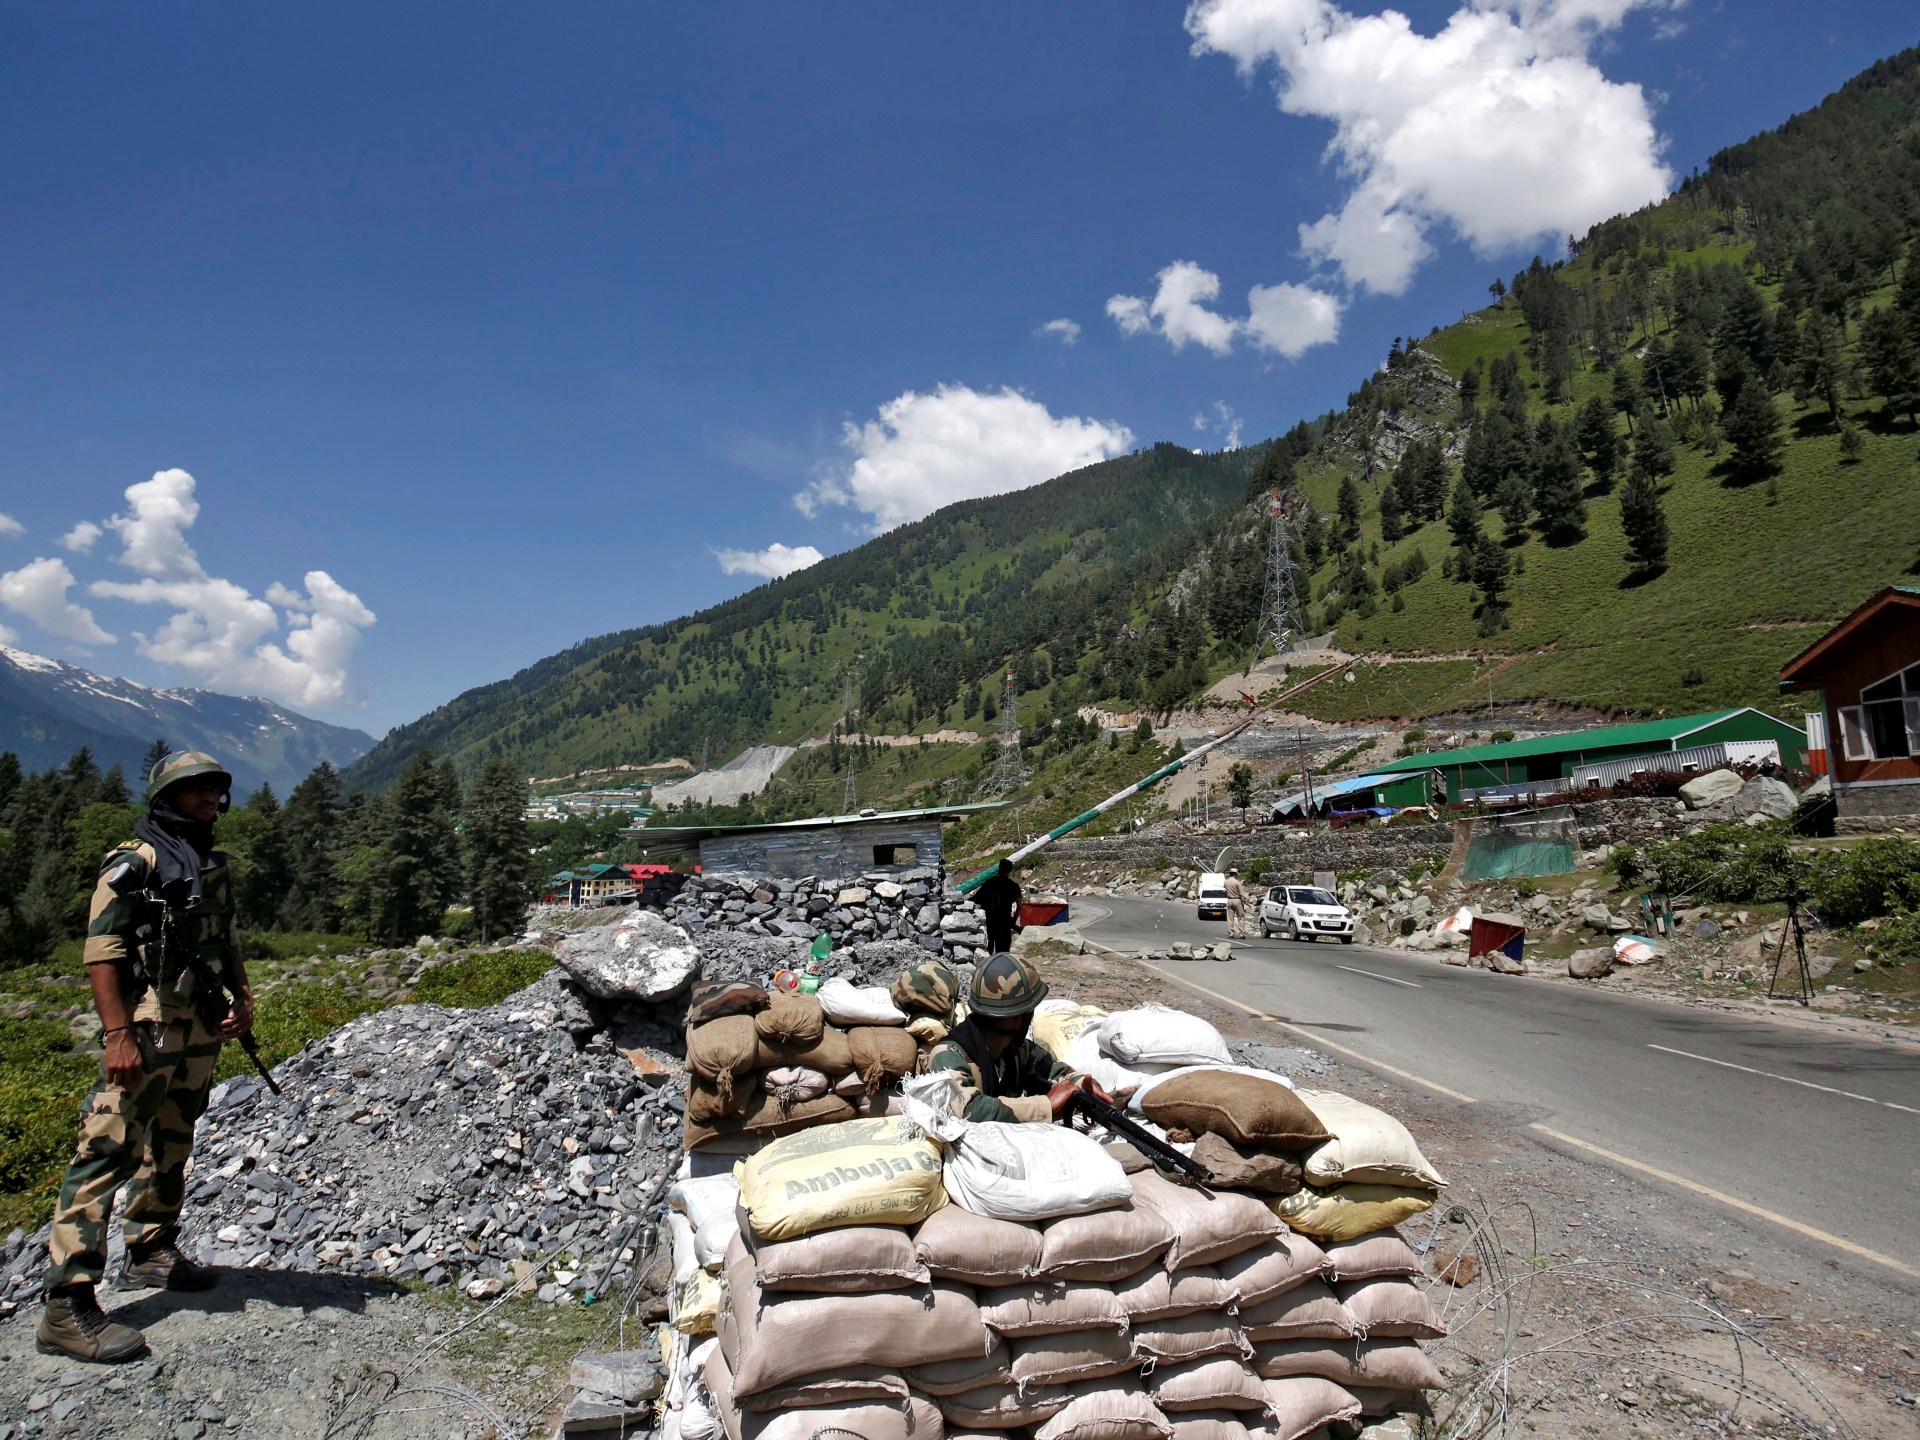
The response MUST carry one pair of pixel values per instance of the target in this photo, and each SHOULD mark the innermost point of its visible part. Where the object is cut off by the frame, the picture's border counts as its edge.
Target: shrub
(1624, 862)
(1726, 863)
(296, 944)
(1875, 877)
(484, 979)
(1258, 866)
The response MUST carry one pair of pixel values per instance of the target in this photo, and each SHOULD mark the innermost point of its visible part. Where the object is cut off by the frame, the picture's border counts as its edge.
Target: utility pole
(1281, 621)
(1009, 770)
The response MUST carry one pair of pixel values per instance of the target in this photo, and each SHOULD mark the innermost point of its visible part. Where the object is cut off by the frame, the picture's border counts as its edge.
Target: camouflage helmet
(927, 987)
(1007, 985)
(181, 765)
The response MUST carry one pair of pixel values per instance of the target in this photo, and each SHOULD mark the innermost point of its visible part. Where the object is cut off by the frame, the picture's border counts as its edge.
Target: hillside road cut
(1805, 1138)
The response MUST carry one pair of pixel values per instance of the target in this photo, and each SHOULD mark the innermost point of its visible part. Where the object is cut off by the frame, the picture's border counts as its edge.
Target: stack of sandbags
(702, 1221)
(1124, 1050)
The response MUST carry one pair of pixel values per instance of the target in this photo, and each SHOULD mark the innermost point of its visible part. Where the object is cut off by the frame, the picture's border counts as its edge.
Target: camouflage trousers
(139, 1139)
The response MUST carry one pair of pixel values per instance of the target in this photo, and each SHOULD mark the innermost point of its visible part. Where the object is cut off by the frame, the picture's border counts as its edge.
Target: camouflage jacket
(1013, 1090)
(123, 930)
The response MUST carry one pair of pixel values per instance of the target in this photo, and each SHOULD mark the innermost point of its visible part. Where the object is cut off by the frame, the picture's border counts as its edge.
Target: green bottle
(810, 977)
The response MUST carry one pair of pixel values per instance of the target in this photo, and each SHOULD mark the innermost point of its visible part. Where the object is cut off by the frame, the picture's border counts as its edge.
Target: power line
(1282, 620)
(1009, 766)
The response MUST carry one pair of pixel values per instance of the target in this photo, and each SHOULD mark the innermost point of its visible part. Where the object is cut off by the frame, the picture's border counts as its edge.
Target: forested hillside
(1638, 481)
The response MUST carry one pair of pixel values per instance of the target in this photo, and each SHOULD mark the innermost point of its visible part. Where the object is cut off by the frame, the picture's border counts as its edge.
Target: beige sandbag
(1247, 1109)
(1260, 1274)
(1189, 1337)
(1060, 1359)
(1105, 1244)
(1241, 1167)
(1002, 1407)
(1368, 1146)
(1207, 1225)
(830, 1054)
(1309, 1311)
(969, 1372)
(791, 1019)
(1058, 1023)
(1303, 1403)
(1375, 1401)
(1107, 1410)
(1391, 1364)
(1219, 1425)
(696, 1306)
(706, 1104)
(763, 1121)
(722, 1049)
(1346, 1212)
(1158, 1294)
(857, 1384)
(1372, 1257)
(883, 1171)
(1391, 1307)
(793, 1085)
(956, 1244)
(1223, 1382)
(882, 1055)
(885, 1419)
(848, 1261)
(1045, 1309)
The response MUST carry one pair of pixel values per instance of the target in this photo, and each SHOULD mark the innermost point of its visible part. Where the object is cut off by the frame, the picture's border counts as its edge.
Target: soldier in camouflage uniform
(1005, 1075)
(136, 1127)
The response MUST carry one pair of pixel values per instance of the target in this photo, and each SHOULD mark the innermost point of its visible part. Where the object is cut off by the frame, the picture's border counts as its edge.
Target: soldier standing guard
(162, 913)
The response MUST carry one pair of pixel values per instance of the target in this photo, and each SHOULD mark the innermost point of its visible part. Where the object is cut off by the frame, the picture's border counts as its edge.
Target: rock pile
(884, 905)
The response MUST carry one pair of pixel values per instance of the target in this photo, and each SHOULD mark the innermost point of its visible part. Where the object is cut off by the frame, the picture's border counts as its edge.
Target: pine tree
(1753, 429)
(156, 752)
(1644, 521)
(1393, 518)
(1890, 344)
(1556, 485)
(1599, 439)
(1515, 501)
(1653, 446)
(1628, 398)
(1489, 570)
(1463, 522)
(498, 866)
(1349, 510)
(312, 834)
(1825, 370)
(418, 871)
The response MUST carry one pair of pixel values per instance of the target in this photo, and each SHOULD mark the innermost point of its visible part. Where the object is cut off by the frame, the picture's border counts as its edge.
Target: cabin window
(1853, 734)
(1890, 717)
(896, 854)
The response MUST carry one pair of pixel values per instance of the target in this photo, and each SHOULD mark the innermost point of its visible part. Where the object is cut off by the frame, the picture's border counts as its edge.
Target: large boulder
(1590, 964)
(1765, 796)
(1712, 788)
(641, 958)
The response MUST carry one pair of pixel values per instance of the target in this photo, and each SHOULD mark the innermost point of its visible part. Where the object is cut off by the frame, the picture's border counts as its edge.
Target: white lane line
(1768, 1074)
(1388, 978)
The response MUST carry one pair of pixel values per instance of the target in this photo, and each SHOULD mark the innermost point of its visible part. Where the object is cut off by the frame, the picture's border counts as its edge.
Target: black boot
(74, 1324)
(163, 1265)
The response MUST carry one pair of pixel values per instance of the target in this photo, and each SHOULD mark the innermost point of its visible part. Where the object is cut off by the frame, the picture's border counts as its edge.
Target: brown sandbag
(705, 1103)
(1002, 1407)
(1261, 1273)
(956, 1244)
(1108, 1244)
(1189, 1337)
(969, 1372)
(1390, 1307)
(1375, 1400)
(1159, 1294)
(723, 1049)
(1060, 1359)
(793, 1085)
(1301, 1404)
(882, 1054)
(1207, 1225)
(1241, 1167)
(1104, 1410)
(887, 1419)
(791, 1019)
(1309, 1311)
(1388, 1364)
(1217, 1425)
(1382, 1255)
(1044, 1309)
(855, 1385)
(1248, 1110)
(1223, 1382)
(852, 1260)
(765, 1122)
(829, 1054)
(711, 1000)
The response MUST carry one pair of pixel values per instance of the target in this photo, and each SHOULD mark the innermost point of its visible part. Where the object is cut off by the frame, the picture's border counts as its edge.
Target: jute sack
(969, 1372)
(1397, 1309)
(1240, 1167)
(1220, 1425)
(1107, 1410)
(882, 1171)
(1390, 1364)
(785, 1337)
(1160, 1035)
(888, 1419)
(956, 1244)
(829, 1053)
(1157, 1294)
(791, 1019)
(882, 1055)
(792, 1085)
(1346, 1212)
(848, 1261)
(855, 1385)
(763, 1121)
(1104, 1245)
(847, 1005)
(1248, 1109)
(1001, 1407)
(1220, 1383)
(1256, 1275)
(706, 1104)
(1043, 1360)
(1306, 1312)
(711, 1000)
(1041, 1308)
(1058, 1023)
(722, 1049)
(1189, 1337)
(1368, 1146)
(1207, 1227)
(1301, 1404)
(1379, 1256)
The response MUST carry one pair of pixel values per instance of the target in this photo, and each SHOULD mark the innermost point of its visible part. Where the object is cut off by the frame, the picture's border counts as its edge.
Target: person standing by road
(1236, 907)
(166, 889)
(999, 899)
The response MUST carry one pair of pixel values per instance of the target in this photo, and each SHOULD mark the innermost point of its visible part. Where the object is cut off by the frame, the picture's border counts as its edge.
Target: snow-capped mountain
(49, 709)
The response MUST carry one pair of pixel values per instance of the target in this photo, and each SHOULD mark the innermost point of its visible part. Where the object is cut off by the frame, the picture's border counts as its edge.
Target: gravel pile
(905, 906)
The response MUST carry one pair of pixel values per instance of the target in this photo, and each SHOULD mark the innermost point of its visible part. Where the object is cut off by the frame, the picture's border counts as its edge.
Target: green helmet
(1006, 985)
(185, 765)
(927, 987)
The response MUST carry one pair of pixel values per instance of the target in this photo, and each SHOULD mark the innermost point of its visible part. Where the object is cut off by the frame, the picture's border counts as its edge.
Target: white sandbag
(1160, 1076)
(699, 1418)
(1160, 1035)
(1013, 1172)
(712, 1207)
(680, 1237)
(1086, 1056)
(1369, 1146)
(1058, 1023)
(847, 1004)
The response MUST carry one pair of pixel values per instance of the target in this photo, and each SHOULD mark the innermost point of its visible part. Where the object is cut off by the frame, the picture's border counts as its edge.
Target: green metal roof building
(1549, 760)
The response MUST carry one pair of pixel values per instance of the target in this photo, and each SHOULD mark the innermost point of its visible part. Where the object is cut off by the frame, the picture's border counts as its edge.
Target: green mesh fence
(1540, 842)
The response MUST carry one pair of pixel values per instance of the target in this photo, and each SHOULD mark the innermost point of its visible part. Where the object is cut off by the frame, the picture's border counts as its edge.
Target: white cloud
(1285, 319)
(926, 451)
(771, 563)
(38, 591)
(153, 532)
(80, 538)
(7, 637)
(1499, 127)
(1067, 332)
(10, 527)
(1222, 421)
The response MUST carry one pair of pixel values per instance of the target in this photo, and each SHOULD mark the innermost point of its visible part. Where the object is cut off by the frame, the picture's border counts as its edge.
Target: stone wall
(831, 854)
(1876, 809)
(878, 905)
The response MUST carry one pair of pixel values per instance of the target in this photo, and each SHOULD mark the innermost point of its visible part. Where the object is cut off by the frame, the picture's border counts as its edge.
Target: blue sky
(361, 354)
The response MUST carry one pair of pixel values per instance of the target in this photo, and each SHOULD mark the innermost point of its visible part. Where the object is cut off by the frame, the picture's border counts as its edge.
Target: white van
(1212, 895)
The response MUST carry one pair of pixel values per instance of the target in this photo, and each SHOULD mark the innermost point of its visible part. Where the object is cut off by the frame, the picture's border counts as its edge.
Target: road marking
(1725, 1199)
(1388, 978)
(1768, 1074)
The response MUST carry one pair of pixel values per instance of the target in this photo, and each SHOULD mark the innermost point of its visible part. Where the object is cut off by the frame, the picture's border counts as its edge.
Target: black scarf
(182, 847)
(999, 1072)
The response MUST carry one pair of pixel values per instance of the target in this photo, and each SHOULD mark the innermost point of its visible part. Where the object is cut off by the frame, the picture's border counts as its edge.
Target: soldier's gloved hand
(125, 1068)
(1060, 1096)
(239, 1014)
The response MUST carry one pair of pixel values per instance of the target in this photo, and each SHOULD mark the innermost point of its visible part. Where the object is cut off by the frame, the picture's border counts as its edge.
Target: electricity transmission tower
(1009, 770)
(1282, 618)
(849, 697)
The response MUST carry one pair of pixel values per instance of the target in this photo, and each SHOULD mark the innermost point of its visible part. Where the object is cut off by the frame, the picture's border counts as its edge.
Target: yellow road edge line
(1707, 1190)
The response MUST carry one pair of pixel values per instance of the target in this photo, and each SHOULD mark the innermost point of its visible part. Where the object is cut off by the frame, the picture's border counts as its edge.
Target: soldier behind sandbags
(1007, 1076)
(929, 992)
(136, 1126)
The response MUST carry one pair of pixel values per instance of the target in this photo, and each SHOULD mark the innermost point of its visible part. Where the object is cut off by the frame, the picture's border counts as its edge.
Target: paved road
(1751, 1110)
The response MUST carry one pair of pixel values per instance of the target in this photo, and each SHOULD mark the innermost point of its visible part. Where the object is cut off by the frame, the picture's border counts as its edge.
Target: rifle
(212, 994)
(1187, 1170)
